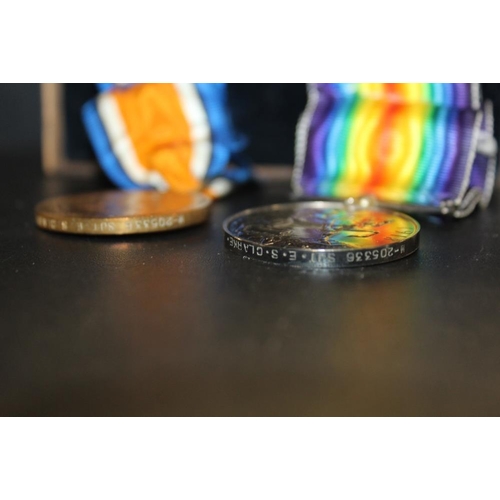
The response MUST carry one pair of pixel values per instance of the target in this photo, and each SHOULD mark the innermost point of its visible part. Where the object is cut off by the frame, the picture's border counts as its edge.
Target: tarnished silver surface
(322, 234)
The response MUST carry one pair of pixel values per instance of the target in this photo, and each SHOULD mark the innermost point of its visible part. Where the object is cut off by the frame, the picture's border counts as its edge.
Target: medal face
(321, 234)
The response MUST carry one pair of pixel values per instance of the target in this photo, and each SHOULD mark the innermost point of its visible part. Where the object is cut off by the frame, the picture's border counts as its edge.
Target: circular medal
(321, 234)
(122, 212)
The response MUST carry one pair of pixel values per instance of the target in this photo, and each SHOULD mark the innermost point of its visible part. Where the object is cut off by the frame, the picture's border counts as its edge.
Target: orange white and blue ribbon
(428, 145)
(167, 136)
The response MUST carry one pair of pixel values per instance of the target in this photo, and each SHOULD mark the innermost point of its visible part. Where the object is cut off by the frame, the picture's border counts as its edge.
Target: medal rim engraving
(325, 258)
(73, 220)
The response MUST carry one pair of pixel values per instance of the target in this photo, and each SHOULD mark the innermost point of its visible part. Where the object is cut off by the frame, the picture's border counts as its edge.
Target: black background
(19, 117)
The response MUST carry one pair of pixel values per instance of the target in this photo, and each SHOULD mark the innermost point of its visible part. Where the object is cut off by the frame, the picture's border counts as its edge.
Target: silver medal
(322, 234)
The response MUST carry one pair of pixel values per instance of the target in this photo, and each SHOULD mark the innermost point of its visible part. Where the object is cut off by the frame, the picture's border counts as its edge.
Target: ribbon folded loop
(167, 136)
(427, 147)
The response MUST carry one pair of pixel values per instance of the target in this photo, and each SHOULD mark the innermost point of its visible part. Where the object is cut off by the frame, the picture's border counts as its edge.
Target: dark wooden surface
(171, 324)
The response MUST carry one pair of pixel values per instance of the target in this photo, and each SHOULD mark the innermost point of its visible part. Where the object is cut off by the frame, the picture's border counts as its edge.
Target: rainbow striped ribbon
(167, 136)
(427, 146)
